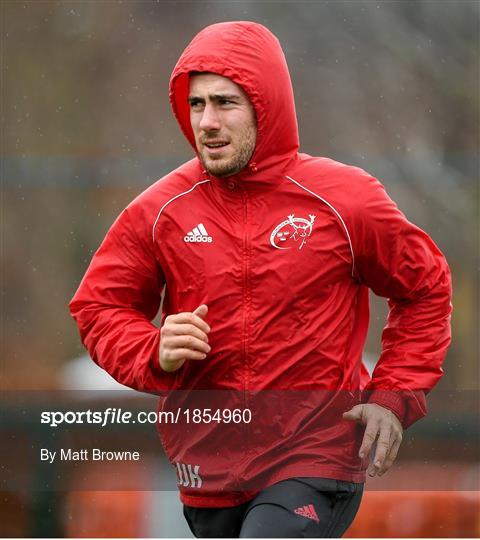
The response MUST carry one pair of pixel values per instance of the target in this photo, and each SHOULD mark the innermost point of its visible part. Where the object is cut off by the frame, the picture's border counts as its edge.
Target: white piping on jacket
(334, 210)
(171, 200)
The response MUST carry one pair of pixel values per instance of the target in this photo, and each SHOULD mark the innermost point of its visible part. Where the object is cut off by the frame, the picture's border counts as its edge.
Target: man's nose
(210, 118)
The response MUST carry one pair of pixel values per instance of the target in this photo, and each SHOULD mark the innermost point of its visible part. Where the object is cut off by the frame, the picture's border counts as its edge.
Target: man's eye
(194, 104)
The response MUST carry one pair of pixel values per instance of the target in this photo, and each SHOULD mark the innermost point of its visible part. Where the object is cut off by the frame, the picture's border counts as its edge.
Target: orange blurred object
(108, 514)
(406, 514)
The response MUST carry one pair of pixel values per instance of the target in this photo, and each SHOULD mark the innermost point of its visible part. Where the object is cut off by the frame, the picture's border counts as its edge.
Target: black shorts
(294, 508)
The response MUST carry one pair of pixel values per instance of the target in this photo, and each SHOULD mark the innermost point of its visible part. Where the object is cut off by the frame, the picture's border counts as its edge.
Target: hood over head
(251, 56)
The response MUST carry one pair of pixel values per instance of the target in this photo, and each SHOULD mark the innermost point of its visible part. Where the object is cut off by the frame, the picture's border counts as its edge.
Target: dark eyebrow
(214, 97)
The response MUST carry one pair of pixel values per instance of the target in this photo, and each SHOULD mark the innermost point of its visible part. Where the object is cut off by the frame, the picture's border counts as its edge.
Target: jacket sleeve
(115, 304)
(399, 261)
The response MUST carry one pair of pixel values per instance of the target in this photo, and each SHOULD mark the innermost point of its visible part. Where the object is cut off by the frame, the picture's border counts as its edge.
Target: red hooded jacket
(283, 253)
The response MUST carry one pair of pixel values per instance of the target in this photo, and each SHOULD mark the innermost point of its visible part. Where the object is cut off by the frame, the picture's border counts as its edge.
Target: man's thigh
(295, 508)
(302, 508)
(215, 522)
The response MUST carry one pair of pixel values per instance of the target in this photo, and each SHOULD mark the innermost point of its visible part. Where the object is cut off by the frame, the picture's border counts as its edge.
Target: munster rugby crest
(293, 232)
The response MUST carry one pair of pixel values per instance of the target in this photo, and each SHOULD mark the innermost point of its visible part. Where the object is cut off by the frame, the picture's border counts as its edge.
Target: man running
(260, 326)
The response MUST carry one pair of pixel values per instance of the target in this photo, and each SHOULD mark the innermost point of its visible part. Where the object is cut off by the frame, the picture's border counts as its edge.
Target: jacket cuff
(390, 399)
(408, 406)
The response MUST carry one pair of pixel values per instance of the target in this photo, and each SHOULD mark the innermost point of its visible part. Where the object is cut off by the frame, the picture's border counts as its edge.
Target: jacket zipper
(246, 310)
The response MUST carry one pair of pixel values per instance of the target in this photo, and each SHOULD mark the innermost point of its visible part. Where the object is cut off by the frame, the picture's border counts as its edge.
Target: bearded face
(223, 122)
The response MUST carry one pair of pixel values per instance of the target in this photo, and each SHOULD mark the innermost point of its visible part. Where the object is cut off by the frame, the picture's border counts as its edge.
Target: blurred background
(390, 86)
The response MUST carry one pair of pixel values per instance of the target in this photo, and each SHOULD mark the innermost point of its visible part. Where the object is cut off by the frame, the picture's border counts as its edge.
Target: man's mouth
(215, 144)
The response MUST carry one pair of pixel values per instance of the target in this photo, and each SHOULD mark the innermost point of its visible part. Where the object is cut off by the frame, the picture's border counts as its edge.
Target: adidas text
(207, 239)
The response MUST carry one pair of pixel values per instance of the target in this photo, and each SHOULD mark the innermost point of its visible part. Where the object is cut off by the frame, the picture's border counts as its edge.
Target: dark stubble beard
(239, 161)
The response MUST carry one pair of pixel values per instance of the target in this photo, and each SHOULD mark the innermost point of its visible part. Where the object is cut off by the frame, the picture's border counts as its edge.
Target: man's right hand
(184, 336)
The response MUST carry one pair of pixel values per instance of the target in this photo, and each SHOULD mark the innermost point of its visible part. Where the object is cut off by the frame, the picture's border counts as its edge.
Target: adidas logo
(307, 511)
(199, 234)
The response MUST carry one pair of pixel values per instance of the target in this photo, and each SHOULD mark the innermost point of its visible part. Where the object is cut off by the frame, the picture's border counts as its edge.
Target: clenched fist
(184, 336)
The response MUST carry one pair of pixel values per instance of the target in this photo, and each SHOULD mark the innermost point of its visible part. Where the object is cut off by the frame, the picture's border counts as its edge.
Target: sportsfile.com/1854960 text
(112, 415)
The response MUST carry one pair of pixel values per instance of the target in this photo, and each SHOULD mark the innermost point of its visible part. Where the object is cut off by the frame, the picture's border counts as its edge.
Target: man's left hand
(382, 427)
